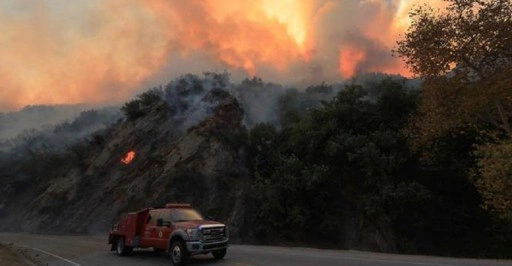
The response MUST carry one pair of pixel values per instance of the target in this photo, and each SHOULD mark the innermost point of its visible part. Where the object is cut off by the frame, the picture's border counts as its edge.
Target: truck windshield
(181, 215)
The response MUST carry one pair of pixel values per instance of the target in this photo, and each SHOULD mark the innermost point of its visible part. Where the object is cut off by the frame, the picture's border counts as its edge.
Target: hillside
(328, 166)
(87, 194)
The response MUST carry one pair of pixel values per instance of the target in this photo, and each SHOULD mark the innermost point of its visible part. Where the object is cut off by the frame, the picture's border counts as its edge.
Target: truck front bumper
(196, 247)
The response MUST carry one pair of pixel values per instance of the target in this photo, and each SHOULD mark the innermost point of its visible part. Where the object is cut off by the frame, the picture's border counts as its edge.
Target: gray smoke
(43, 136)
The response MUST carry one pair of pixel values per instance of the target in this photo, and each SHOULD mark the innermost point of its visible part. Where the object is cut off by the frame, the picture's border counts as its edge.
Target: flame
(353, 60)
(389, 20)
(241, 34)
(350, 57)
(103, 51)
(128, 157)
(294, 15)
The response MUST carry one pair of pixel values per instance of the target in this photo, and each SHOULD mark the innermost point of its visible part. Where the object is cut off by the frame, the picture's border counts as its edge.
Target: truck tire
(121, 249)
(178, 253)
(219, 254)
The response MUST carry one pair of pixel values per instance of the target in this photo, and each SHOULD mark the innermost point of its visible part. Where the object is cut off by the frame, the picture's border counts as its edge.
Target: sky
(106, 51)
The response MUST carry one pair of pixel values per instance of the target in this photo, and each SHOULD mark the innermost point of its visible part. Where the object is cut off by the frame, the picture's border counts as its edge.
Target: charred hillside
(328, 166)
(86, 188)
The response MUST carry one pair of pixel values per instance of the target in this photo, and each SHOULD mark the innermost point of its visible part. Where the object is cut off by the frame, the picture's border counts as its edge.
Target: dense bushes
(144, 103)
(351, 157)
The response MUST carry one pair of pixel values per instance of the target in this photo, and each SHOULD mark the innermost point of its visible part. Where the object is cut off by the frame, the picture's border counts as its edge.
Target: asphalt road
(93, 250)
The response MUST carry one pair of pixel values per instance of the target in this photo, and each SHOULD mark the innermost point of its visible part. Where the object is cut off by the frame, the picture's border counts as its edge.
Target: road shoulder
(15, 256)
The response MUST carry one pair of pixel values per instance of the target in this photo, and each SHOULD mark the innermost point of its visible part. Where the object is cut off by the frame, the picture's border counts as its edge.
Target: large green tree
(464, 55)
(496, 182)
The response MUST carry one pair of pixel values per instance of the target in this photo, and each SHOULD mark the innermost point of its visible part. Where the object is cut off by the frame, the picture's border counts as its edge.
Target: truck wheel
(219, 254)
(178, 253)
(121, 249)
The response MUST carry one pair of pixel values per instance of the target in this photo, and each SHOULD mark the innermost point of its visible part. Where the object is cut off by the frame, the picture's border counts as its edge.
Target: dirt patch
(13, 256)
(9, 257)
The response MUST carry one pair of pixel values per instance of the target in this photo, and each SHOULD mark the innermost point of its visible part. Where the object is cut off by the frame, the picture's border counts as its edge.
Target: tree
(262, 143)
(495, 183)
(344, 158)
(465, 56)
(144, 103)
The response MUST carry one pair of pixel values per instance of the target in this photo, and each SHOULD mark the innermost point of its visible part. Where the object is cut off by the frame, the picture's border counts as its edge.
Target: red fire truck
(178, 229)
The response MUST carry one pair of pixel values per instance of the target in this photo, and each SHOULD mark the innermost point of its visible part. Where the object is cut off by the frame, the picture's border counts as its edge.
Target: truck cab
(178, 229)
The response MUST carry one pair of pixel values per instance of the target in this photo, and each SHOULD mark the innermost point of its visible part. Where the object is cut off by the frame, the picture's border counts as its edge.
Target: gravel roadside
(15, 256)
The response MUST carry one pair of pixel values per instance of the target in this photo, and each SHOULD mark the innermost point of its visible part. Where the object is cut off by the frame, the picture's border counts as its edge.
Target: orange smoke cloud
(241, 34)
(96, 51)
(71, 53)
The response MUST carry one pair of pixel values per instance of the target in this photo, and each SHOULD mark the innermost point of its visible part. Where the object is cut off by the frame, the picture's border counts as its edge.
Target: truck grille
(213, 233)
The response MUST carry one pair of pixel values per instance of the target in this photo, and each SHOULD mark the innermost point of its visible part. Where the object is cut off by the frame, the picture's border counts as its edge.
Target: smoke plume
(66, 52)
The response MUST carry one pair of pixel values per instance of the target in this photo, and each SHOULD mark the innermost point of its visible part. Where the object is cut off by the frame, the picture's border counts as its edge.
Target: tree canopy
(471, 35)
(464, 55)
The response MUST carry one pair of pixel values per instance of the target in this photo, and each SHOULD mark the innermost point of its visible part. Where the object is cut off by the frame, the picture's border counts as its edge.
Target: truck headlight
(193, 233)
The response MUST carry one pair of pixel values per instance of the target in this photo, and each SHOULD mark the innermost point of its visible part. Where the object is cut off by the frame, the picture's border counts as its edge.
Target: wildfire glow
(350, 57)
(296, 16)
(101, 51)
(128, 157)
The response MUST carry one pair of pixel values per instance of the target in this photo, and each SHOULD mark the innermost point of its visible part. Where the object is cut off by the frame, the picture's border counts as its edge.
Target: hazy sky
(106, 51)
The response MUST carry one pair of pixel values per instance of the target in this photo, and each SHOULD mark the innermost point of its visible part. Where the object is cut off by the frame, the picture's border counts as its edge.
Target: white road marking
(51, 254)
(47, 253)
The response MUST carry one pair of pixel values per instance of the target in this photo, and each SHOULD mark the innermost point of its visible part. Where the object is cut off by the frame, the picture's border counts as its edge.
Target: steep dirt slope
(203, 166)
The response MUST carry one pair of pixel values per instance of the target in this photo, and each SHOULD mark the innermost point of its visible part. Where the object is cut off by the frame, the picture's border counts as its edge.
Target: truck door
(163, 231)
(150, 234)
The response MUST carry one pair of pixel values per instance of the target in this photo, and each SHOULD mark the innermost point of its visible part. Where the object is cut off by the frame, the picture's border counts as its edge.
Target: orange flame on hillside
(128, 157)
(350, 57)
